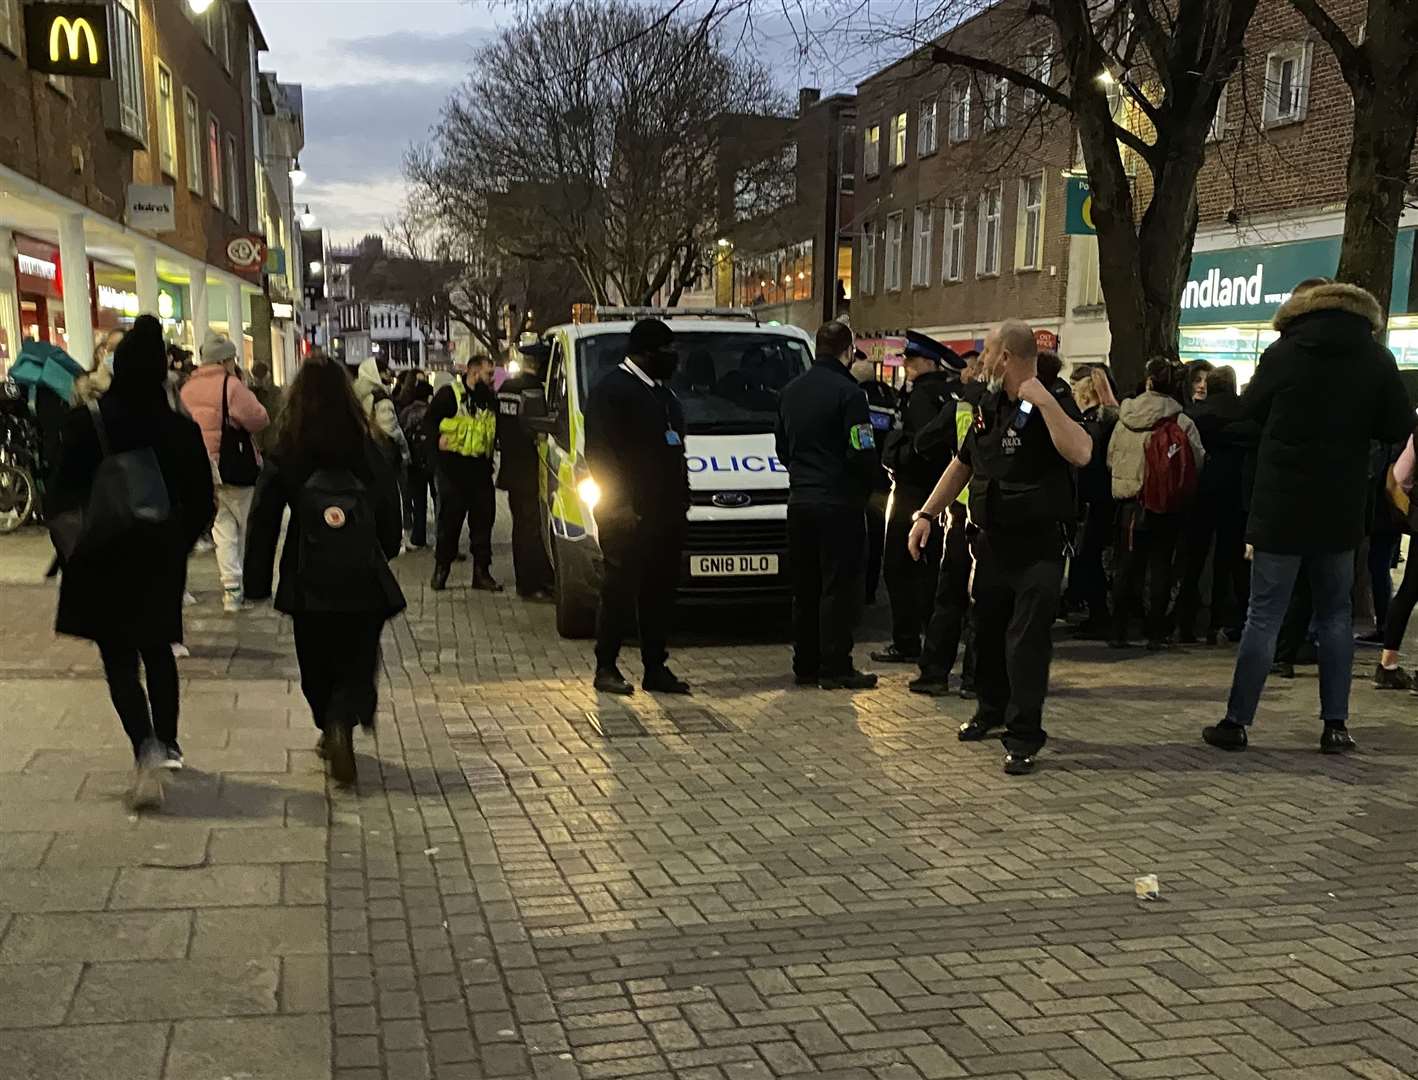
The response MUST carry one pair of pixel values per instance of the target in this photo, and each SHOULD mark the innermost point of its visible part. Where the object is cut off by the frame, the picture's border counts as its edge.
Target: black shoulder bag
(236, 460)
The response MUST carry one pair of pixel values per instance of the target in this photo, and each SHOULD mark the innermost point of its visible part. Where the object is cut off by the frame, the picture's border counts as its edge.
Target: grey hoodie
(1127, 449)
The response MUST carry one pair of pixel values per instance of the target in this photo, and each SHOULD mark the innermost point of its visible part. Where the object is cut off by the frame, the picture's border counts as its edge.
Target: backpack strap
(99, 429)
(226, 415)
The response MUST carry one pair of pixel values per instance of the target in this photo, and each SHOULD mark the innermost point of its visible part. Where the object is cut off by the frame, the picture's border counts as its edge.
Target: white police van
(731, 369)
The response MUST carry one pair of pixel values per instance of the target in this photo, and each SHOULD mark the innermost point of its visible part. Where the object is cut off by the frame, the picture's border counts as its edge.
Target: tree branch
(1351, 58)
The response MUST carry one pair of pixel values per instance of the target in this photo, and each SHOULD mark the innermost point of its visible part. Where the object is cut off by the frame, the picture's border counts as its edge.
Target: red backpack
(1168, 470)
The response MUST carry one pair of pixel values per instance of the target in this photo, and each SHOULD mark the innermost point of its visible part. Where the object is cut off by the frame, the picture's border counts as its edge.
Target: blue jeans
(1272, 583)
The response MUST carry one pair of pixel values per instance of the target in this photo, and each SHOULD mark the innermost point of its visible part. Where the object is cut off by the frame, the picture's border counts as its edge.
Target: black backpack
(339, 543)
(128, 498)
(414, 421)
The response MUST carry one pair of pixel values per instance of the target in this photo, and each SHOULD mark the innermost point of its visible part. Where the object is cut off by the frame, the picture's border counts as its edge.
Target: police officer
(517, 475)
(933, 370)
(1016, 460)
(883, 403)
(826, 441)
(635, 448)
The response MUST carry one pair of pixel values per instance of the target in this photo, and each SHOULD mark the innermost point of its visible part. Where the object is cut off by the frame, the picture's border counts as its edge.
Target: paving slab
(100, 1052)
(283, 1048)
(36, 995)
(201, 886)
(132, 935)
(55, 890)
(260, 931)
(175, 990)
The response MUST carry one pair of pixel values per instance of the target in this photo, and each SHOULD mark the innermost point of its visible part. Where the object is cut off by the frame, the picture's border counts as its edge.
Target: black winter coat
(825, 438)
(279, 487)
(635, 449)
(1320, 394)
(912, 468)
(132, 593)
(1228, 438)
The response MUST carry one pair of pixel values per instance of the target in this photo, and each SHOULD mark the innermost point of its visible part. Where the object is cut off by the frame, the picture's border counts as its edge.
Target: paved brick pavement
(759, 882)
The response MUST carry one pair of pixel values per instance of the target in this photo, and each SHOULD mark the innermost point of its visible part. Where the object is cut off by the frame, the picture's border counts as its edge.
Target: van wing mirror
(535, 417)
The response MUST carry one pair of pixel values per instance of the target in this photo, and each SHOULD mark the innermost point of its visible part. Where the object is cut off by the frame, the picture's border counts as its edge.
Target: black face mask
(661, 365)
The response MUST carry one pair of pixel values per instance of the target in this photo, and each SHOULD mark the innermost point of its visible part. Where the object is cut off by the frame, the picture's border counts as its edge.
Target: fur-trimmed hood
(1337, 297)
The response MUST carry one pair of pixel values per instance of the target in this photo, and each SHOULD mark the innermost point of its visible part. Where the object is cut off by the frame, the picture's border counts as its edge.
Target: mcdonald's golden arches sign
(68, 39)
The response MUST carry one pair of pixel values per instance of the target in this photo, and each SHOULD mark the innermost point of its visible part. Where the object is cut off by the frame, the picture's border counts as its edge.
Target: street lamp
(297, 174)
(199, 6)
(307, 219)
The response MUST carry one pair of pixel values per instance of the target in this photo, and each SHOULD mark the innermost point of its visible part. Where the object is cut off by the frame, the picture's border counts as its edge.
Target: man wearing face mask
(1016, 459)
(635, 449)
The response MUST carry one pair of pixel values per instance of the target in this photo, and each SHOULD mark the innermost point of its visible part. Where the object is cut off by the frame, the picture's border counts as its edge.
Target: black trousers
(417, 484)
(950, 616)
(151, 715)
(642, 566)
(876, 542)
(1383, 549)
(826, 547)
(1400, 609)
(465, 493)
(1209, 521)
(910, 584)
(1015, 605)
(530, 562)
(1147, 543)
(338, 653)
(1087, 580)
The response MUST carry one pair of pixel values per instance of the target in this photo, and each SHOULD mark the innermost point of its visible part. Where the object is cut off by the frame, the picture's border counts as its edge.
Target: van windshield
(728, 382)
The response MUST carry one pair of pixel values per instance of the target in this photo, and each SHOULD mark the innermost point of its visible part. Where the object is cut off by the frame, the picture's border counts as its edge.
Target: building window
(926, 139)
(233, 179)
(214, 159)
(1039, 63)
(221, 36)
(921, 247)
(192, 132)
(898, 140)
(996, 104)
(1218, 122)
(130, 115)
(1030, 244)
(10, 26)
(847, 150)
(866, 279)
(871, 151)
(959, 129)
(1287, 85)
(895, 226)
(953, 241)
(167, 122)
(987, 253)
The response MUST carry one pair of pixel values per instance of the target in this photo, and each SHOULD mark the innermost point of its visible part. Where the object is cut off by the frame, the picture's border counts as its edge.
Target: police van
(731, 368)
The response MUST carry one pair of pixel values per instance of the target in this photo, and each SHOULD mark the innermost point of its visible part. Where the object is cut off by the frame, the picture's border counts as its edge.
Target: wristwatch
(922, 515)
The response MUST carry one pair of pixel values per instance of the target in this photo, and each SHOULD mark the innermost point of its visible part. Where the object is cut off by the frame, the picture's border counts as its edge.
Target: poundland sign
(1248, 285)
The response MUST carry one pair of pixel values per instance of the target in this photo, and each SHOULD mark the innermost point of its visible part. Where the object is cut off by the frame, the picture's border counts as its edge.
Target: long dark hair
(322, 425)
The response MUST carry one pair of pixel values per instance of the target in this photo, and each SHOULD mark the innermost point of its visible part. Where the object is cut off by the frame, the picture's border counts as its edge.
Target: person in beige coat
(1147, 540)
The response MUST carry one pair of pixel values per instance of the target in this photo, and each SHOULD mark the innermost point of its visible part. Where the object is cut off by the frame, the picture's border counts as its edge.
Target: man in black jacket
(914, 468)
(826, 441)
(518, 476)
(1311, 486)
(464, 476)
(635, 448)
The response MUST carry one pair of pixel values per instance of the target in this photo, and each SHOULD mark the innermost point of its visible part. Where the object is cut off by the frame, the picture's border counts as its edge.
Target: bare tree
(1380, 65)
(597, 131)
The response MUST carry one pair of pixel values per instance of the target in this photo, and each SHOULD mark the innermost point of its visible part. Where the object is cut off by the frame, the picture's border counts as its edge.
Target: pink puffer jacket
(202, 394)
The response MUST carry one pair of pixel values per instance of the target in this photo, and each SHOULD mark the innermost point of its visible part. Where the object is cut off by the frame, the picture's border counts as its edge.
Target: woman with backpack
(1154, 456)
(122, 588)
(345, 526)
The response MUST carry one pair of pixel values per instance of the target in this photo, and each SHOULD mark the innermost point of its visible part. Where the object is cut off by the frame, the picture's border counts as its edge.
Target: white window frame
(898, 140)
(1027, 255)
(922, 222)
(216, 173)
(987, 249)
(166, 118)
(1217, 132)
(222, 35)
(928, 127)
(895, 238)
(231, 161)
(125, 48)
(11, 21)
(994, 109)
(1039, 62)
(866, 276)
(195, 140)
(952, 242)
(1300, 55)
(871, 150)
(957, 127)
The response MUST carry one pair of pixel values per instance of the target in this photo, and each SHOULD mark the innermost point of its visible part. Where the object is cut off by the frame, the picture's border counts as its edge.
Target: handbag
(236, 459)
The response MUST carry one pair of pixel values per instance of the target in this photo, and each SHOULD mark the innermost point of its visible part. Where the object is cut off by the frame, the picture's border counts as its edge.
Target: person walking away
(462, 418)
(884, 404)
(911, 583)
(1017, 460)
(1154, 457)
(1087, 578)
(826, 441)
(335, 582)
(413, 420)
(125, 591)
(1307, 509)
(951, 618)
(269, 395)
(1218, 514)
(1387, 673)
(230, 417)
(518, 475)
(635, 450)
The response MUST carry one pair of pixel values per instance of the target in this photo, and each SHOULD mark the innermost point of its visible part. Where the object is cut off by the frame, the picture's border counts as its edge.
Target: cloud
(414, 50)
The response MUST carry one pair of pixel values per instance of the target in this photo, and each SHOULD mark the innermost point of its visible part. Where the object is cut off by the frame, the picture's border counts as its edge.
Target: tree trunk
(1379, 163)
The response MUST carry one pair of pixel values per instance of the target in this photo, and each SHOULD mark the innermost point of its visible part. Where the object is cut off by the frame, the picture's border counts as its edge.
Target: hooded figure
(374, 399)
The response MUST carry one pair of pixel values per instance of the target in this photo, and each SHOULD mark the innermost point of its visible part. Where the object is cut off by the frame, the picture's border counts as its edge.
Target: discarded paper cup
(1147, 887)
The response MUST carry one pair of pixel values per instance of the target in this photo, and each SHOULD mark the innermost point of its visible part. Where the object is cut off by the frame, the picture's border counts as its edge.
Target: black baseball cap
(648, 337)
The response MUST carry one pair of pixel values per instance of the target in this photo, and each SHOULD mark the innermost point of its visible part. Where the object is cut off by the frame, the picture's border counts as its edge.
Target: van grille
(728, 537)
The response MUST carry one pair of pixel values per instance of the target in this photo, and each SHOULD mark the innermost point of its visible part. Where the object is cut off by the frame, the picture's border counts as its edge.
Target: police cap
(917, 344)
(648, 337)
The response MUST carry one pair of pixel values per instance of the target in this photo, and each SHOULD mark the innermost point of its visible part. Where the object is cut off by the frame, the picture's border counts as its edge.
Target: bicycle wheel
(17, 497)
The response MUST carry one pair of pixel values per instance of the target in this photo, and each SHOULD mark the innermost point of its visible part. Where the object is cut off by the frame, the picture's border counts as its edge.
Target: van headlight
(590, 493)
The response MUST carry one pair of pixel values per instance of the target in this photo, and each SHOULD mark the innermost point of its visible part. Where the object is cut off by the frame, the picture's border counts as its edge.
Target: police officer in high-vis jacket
(518, 474)
(826, 441)
(1016, 459)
